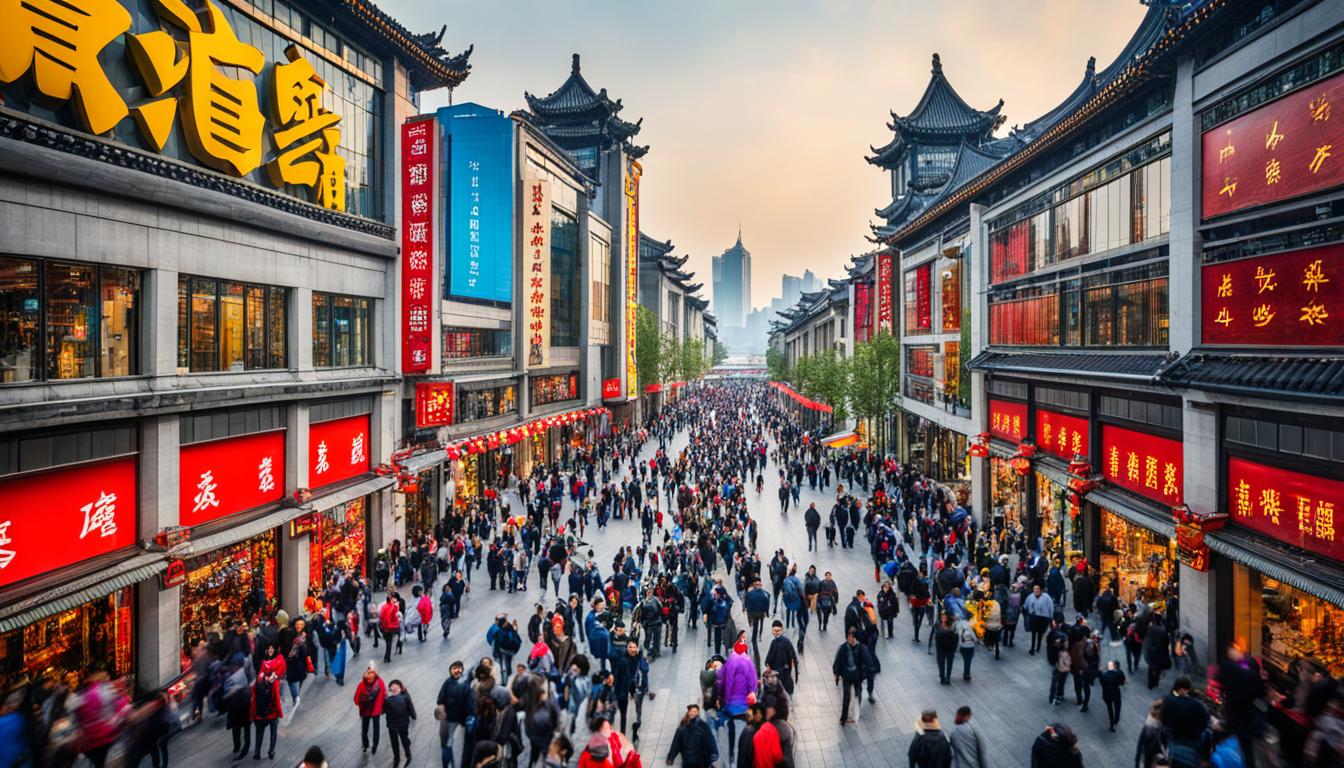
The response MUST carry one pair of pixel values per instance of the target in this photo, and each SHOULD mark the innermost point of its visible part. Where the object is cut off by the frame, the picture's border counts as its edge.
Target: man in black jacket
(458, 704)
(853, 664)
(694, 742)
(812, 521)
(930, 748)
(781, 657)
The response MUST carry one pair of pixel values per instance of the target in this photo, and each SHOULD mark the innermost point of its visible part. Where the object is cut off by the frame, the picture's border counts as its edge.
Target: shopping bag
(338, 662)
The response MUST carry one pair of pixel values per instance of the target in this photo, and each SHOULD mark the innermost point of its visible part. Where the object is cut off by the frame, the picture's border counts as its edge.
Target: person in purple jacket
(737, 680)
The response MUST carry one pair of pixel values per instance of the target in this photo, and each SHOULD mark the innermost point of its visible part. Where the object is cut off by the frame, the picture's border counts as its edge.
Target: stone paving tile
(1007, 695)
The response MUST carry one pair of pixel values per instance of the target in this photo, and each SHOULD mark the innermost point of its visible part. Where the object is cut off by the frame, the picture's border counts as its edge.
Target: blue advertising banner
(479, 213)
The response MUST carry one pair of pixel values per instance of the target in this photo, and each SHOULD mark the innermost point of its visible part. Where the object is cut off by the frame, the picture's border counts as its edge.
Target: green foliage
(721, 353)
(876, 378)
(776, 364)
(826, 377)
(648, 347)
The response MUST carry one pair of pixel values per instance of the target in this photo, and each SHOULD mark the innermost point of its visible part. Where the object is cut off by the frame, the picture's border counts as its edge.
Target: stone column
(1199, 590)
(158, 613)
(294, 574)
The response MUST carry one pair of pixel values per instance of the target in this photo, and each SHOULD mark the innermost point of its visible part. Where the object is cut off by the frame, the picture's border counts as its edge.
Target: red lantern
(454, 454)
(492, 442)
(1022, 465)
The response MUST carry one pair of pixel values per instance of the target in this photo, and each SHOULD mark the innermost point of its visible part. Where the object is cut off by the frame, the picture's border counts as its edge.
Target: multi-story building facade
(942, 144)
(1157, 362)
(732, 287)
(199, 337)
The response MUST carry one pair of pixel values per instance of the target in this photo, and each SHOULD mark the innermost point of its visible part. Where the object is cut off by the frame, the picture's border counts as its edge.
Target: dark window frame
(366, 337)
(268, 292)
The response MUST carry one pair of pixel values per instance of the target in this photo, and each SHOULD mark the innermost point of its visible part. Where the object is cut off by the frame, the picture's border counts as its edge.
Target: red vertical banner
(863, 312)
(419, 288)
(923, 298)
(885, 288)
(1286, 148)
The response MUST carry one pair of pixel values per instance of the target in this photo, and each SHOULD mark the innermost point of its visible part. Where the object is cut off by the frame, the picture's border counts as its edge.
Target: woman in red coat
(425, 607)
(369, 696)
(265, 705)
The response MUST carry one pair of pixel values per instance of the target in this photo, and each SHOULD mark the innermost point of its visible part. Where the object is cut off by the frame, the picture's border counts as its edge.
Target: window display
(236, 581)
(341, 331)
(486, 402)
(1061, 533)
(1142, 563)
(1005, 493)
(1284, 624)
(554, 388)
(71, 643)
(339, 542)
(224, 326)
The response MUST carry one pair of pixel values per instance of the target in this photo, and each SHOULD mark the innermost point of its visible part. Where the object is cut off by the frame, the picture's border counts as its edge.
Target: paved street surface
(1008, 696)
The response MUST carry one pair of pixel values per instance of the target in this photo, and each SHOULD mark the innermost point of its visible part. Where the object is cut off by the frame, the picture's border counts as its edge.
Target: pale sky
(761, 111)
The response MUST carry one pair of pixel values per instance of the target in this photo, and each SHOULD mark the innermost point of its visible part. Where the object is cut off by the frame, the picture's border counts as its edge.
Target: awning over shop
(1141, 513)
(806, 402)
(842, 439)
(101, 583)
(1311, 574)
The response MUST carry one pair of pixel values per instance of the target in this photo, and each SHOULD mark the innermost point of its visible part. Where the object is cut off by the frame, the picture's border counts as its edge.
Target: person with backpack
(264, 708)
(921, 601)
(504, 642)
(400, 711)
(649, 615)
(828, 601)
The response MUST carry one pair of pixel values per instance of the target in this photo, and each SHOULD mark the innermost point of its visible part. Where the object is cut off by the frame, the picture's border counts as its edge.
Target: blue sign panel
(479, 210)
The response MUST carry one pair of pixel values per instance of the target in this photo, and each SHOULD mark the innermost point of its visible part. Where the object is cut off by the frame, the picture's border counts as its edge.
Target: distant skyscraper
(732, 286)
(810, 283)
(791, 289)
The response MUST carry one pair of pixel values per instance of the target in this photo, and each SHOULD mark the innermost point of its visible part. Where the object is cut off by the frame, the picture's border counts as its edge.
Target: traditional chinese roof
(1295, 377)
(907, 205)
(940, 116)
(1166, 26)
(575, 115)
(971, 162)
(1084, 91)
(429, 65)
(1123, 366)
(651, 249)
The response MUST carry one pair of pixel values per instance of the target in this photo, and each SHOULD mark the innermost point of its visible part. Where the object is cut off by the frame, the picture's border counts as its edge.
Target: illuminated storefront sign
(1291, 507)
(338, 450)
(433, 404)
(1008, 420)
(885, 304)
(632, 174)
(1148, 465)
(1061, 435)
(611, 389)
(537, 270)
(200, 77)
(1289, 299)
(419, 142)
(1284, 149)
(863, 312)
(480, 203)
(222, 477)
(59, 518)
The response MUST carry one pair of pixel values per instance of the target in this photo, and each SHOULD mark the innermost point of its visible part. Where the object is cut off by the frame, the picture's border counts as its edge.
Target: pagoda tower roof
(576, 115)
(940, 117)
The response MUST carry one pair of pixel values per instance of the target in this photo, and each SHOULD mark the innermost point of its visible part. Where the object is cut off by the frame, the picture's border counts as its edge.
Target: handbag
(441, 712)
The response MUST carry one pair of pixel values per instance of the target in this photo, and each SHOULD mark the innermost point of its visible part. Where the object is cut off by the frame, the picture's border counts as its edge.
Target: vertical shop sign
(1060, 435)
(338, 450)
(60, 518)
(1145, 464)
(419, 166)
(863, 312)
(611, 389)
(1284, 149)
(1008, 420)
(924, 297)
(885, 289)
(632, 174)
(222, 477)
(433, 404)
(537, 270)
(1292, 507)
(1291, 299)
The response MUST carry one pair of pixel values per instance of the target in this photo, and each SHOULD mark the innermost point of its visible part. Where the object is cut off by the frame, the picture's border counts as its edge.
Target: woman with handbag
(298, 665)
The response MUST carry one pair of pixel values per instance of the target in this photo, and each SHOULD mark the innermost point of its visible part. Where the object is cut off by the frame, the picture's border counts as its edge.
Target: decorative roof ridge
(438, 68)
(940, 85)
(1084, 90)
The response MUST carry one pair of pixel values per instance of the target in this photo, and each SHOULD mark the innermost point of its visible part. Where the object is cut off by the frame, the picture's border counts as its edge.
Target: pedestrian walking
(781, 657)
(454, 708)
(930, 747)
(968, 743)
(1112, 680)
(369, 696)
(400, 711)
(852, 665)
(1039, 609)
(945, 641)
(693, 742)
(264, 709)
(1056, 747)
(888, 608)
(966, 640)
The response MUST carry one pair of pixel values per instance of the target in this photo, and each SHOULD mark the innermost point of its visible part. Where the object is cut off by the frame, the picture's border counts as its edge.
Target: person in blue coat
(1055, 585)
(791, 593)
(599, 643)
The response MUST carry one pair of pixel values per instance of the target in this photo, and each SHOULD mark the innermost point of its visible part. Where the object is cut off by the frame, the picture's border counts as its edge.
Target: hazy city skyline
(787, 97)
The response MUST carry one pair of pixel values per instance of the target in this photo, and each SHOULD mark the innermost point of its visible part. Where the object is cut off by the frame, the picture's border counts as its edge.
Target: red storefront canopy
(806, 402)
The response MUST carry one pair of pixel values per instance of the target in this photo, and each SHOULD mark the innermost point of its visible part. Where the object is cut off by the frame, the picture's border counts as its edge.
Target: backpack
(265, 698)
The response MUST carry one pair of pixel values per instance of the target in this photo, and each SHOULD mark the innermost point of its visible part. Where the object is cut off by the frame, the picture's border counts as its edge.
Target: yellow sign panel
(59, 41)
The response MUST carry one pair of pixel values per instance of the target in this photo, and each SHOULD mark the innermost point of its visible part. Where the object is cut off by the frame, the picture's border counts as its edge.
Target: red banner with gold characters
(1008, 420)
(611, 389)
(433, 404)
(419, 170)
(59, 518)
(222, 477)
(338, 450)
(1061, 435)
(1286, 148)
(1292, 507)
(1293, 299)
(1146, 464)
(886, 312)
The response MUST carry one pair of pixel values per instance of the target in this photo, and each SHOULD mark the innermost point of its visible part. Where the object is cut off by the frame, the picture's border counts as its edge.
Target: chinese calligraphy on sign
(205, 498)
(100, 515)
(433, 404)
(536, 222)
(1146, 464)
(633, 171)
(1280, 150)
(194, 71)
(1292, 507)
(1061, 435)
(1008, 420)
(1291, 299)
(221, 477)
(338, 450)
(419, 142)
